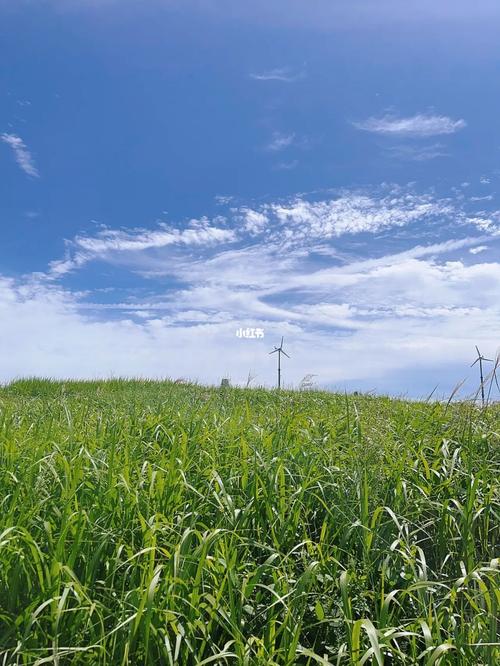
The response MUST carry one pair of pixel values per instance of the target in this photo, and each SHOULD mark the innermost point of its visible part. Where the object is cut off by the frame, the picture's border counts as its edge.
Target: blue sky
(172, 171)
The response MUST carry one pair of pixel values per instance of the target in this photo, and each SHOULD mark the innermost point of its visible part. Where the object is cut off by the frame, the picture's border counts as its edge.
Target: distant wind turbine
(480, 358)
(280, 351)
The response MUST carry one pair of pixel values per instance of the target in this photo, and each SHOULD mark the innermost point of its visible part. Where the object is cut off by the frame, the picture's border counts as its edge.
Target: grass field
(154, 523)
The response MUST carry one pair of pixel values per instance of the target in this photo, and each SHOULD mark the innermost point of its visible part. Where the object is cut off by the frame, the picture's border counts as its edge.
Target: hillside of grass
(154, 523)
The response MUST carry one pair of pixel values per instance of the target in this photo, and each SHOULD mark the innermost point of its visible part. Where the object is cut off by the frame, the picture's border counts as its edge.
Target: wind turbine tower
(480, 358)
(280, 351)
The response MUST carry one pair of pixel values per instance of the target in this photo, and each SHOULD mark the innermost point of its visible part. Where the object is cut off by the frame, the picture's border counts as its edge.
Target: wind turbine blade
(477, 349)
(472, 364)
(488, 359)
(274, 351)
(281, 345)
(493, 378)
(284, 352)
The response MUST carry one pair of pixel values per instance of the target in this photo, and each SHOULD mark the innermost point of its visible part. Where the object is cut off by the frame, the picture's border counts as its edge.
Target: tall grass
(153, 523)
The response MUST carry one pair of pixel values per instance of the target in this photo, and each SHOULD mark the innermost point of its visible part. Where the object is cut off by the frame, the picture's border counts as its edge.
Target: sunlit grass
(145, 522)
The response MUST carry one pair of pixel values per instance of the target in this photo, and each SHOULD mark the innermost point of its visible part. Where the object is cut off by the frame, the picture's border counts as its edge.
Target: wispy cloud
(417, 153)
(393, 313)
(300, 225)
(284, 74)
(487, 197)
(108, 242)
(297, 223)
(254, 221)
(122, 241)
(22, 155)
(287, 166)
(280, 141)
(355, 212)
(419, 125)
(350, 267)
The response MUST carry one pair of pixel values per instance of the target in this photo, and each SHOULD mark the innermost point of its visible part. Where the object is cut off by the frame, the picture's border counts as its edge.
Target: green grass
(154, 523)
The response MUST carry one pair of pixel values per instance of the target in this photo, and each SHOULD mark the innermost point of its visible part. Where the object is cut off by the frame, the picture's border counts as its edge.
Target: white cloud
(487, 197)
(297, 226)
(22, 155)
(284, 74)
(356, 213)
(419, 125)
(222, 200)
(477, 250)
(111, 242)
(254, 221)
(417, 153)
(287, 166)
(122, 241)
(280, 141)
(360, 313)
(391, 318)
(489, 223)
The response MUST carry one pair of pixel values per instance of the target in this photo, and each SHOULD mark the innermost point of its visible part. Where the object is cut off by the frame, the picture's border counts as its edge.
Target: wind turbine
(280, 351)
(480, 358)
